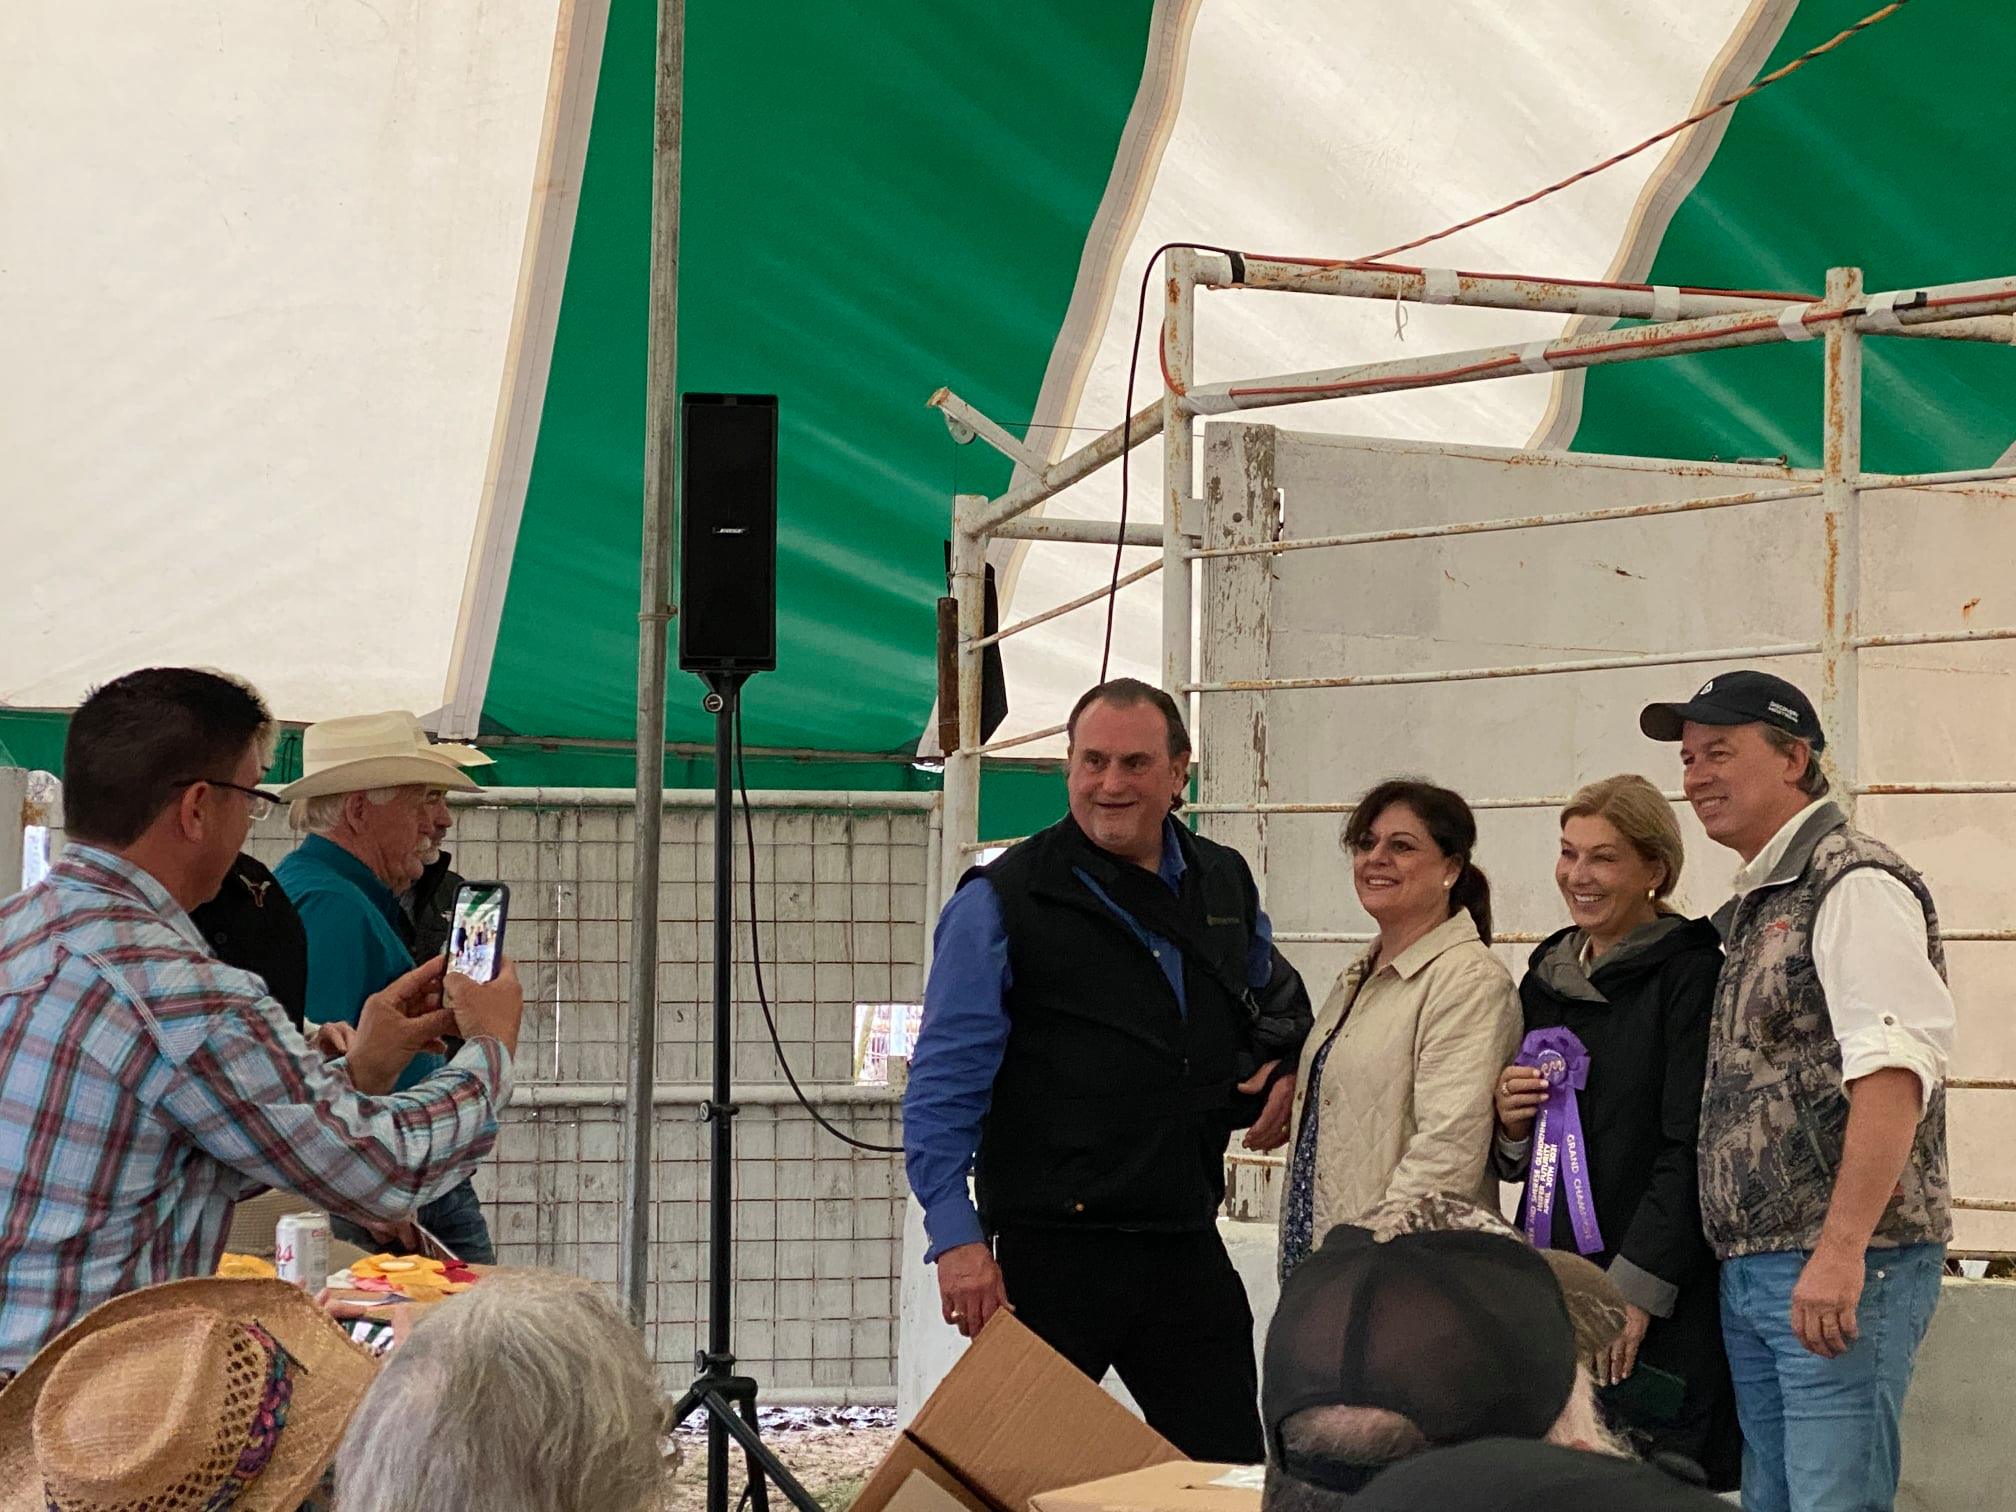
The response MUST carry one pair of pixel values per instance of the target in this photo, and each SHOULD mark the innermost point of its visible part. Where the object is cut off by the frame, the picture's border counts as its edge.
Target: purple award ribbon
(1560, 1153)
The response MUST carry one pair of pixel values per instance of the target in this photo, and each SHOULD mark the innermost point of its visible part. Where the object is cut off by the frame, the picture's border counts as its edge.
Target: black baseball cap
(1508, 1475)
(1464, 1334)
(1738, 698)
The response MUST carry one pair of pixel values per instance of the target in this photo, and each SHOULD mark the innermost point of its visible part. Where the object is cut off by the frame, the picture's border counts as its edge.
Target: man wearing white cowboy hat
(145, 1086)
(373, 800)
(429, 903)
(182, 1398)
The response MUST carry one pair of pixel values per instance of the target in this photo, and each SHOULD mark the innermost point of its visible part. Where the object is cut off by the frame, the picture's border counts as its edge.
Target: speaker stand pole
(728, 1399)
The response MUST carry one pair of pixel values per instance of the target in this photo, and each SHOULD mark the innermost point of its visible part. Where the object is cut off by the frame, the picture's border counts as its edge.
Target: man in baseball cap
(1738, 698)
(1824, 1185)
(1380, 1350)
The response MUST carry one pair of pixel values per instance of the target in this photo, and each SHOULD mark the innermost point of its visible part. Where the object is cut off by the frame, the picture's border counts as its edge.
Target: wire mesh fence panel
(840, 918)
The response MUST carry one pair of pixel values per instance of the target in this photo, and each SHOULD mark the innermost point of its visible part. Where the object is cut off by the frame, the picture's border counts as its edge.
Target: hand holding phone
(495, 1008)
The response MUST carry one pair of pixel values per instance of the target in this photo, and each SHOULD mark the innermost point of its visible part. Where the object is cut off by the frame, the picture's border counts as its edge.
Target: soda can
(301, 1249)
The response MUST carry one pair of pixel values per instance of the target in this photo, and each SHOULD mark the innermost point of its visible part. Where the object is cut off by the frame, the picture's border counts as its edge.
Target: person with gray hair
(372, 797)
(530, 1393)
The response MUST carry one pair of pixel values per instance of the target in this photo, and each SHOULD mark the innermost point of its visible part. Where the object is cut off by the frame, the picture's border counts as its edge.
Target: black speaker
(728, 533)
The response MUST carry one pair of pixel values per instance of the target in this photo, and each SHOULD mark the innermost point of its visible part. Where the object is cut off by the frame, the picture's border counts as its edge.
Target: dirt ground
(832, 1462)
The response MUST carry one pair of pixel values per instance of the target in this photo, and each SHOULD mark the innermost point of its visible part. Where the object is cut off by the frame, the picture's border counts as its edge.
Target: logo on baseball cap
(1737, 698)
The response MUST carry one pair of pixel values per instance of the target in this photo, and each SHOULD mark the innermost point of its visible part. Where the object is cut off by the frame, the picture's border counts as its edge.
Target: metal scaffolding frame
(1683, 320)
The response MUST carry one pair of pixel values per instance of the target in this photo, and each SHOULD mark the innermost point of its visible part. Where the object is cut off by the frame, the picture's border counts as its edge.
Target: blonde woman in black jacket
(1632, 983)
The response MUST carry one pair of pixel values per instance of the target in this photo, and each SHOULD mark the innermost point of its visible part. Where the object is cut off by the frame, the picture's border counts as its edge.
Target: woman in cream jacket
(1394, 1098)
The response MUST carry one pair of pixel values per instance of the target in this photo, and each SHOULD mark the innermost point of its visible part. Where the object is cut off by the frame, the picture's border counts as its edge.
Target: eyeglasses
(263, 803)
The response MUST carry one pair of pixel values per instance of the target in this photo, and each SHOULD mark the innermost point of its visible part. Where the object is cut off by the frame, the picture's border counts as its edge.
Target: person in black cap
(1382, 1350)
(1519, 1475)
(1823, 1168)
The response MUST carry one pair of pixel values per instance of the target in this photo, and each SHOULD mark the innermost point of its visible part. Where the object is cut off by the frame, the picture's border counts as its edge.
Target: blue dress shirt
(965, 1034)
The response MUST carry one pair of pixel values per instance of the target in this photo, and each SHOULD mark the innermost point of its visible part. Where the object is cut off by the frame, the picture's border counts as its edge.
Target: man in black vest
(1105, 1007)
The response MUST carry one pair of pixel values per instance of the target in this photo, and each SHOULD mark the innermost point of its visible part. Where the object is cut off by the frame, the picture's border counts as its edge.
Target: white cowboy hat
(462, 755)
(163, 1397)
(363, 751)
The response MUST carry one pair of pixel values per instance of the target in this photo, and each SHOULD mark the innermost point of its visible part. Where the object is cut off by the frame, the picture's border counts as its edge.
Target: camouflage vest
(1773, 1113)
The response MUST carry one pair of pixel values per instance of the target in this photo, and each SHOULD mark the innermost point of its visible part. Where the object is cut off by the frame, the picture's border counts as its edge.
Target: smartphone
(476, 929)
(1648, 1395)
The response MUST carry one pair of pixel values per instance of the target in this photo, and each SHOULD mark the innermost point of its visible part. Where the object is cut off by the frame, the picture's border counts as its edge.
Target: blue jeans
(1822, 1435)
(455, 1218)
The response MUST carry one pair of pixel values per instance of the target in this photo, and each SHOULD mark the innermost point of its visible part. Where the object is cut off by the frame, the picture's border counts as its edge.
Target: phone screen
(476, 933)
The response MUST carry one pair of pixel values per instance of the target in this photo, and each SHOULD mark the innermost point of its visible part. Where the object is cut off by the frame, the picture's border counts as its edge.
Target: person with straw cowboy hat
(187, 1397)
(372, 800)
(146, 1088)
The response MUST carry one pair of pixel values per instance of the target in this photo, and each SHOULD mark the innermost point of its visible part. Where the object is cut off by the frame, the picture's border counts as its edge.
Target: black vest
(1113, 1108)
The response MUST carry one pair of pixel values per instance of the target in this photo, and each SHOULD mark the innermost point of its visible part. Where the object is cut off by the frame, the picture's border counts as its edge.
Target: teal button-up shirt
(355, 947)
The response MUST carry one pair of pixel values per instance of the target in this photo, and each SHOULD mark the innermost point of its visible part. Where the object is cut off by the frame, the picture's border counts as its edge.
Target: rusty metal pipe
(1097, 595)
(1841, 524)
(961, 415)
(1487, 290)
(1519, 522)
(1553, 800)
(1932, 638)
(1479, 674)
(1871, 482)
(1666, 339)
(1088, 532)
(1144, 425)
(1999, 330)
(1018, 740)
(1935, 789)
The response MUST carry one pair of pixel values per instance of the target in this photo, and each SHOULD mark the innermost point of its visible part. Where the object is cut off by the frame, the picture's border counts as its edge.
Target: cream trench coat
(1406, 1095)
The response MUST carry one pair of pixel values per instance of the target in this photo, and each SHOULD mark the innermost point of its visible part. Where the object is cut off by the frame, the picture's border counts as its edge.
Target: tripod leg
(723, 1412)
(717, 1457)
(759, 1493)
(690, 1403)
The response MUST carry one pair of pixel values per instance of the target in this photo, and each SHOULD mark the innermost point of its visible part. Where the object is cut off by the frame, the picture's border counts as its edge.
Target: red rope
(1652, 141)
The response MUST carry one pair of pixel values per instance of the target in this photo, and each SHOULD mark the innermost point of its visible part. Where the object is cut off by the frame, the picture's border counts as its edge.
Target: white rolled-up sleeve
(1890, 1007)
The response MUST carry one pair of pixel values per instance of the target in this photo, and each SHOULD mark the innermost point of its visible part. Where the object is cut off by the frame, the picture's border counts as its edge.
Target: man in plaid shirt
(146, 1087)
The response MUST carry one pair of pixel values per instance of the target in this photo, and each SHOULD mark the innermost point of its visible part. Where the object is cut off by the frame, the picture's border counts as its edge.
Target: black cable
(756, 957)
(1127, 452)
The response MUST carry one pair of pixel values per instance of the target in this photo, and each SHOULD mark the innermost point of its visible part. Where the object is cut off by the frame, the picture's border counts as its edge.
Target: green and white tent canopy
(324, 324)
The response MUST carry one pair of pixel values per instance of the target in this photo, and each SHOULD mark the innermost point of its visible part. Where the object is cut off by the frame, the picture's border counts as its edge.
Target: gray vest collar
(1821, 823)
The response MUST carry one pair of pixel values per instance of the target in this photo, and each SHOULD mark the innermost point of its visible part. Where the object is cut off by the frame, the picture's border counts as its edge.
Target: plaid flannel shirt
(146, 1087)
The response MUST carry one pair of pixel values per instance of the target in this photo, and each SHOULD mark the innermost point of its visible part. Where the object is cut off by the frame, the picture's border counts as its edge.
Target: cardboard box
(1186, 1486)
(1011, 1420)
(923, 1491)
(922, 1484)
